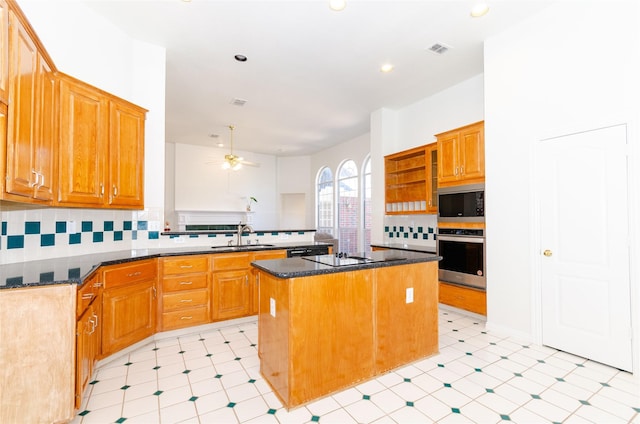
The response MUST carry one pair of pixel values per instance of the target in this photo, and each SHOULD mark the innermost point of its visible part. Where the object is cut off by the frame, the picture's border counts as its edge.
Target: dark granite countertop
(301, 267)
(407, 247)
(75, 269)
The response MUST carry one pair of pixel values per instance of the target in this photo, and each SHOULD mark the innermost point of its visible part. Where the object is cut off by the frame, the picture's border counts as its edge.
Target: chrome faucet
(241, 229)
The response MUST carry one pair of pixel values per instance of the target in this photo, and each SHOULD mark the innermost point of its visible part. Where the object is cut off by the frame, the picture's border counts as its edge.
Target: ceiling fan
(232, 161)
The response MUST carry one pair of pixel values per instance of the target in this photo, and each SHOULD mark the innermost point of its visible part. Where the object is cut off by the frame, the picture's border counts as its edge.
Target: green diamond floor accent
(231, 404)
(127, 364)
(505, 417)
(407, 380)
(253, 345)
(218, 376)
(155, 348)
(526, 347)
(477, 369)
(461, 341)
(193, 398)
(83, 413)
(200, 340)
(251, 381)
(441, 365)
(584, 402)
(447, 385)
(315, 418)
(120, 420)
(541, 361)
(580, 365)
(125, 387)
(409, 403)
(455, 410)
(94, 382)
(492, 343)
(271, 411)
(536, 396)
(517, 374)
(455, 330)
(209, 355)
(504, 357)
(227, 342)
(181, 352)
(158, 393)
(560, 379)
(157, 367)
(366, 397)
(237, 358)
(469, 353)
(636, 409)
(186, 371)
(605, 385)
(489, 390)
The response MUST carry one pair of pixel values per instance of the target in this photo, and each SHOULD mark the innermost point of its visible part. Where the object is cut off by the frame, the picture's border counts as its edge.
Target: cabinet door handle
(186, 317)
(98, 284)
(93, 326)
(96, 317)
(115, 190)
(186, 266)
(42, 179)
(101, 189)
(134, 274)
(186, 283)
(462, 170)
(186, 300)
(35, 183)
(155, 292)
(87, 296)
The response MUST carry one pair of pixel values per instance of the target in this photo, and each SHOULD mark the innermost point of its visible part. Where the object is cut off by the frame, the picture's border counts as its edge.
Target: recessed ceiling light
(240, 58)
(480, 9)
(337, 5)
(387, 67)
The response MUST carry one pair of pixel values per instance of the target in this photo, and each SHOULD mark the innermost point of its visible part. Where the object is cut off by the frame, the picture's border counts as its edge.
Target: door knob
(547, 253)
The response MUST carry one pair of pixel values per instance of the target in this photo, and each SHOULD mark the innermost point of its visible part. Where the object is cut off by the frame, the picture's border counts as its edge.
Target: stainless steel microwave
(461, 203)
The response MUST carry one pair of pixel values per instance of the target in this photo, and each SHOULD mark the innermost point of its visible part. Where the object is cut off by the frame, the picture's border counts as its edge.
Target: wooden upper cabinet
(84, 115)
(101, 151)
(31, 119)
(461, 155)
(126, 155)
(4, 51)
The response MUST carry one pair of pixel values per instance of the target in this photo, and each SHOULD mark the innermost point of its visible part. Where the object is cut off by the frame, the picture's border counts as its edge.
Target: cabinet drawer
(186, 299)
(86, 293)
(185, 264)
(184, 282)
(185, 318)
(269, 254)
(121, 275)
(227, 261)
(464, 298)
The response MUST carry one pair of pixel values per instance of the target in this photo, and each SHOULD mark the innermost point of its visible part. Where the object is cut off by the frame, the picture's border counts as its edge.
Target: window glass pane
(348, 207)
(366, 207)
(325, 202)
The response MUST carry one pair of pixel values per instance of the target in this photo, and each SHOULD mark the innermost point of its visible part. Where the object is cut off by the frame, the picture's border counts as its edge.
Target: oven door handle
(461, 239)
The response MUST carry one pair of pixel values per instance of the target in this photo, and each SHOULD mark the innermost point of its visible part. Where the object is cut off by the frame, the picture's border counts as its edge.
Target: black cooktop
(337, 261)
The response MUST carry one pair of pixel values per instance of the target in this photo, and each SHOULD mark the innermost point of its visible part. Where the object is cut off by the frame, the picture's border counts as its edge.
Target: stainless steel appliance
(318, 249)
(463, 256)
(461, 203)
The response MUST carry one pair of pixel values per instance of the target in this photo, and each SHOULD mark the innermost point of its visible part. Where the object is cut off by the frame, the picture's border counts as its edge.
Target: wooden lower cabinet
(129, 304)
(254, 282)
(231, 288)
(472, 300)
(185, 292)
(88, 330)
(324, 333)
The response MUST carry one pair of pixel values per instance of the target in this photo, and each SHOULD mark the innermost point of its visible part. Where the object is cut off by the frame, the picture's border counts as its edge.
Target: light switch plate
(409, 296)
(272, 306)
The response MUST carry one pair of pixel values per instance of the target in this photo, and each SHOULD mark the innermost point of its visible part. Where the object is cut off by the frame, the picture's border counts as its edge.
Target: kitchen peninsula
(327, 323)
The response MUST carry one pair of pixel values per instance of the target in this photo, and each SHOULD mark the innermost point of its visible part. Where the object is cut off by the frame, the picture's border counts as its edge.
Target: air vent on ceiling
(439, 48)
(238, 102)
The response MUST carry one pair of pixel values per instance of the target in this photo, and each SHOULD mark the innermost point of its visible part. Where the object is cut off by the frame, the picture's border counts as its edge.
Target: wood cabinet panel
(406, 329)
(227, 261)
(461, 155)
(126, 274)
(185, 299)
(35, 389)
(185, 264)
(126, 155)
(185, 282)
(185, 317)
(88, 339)
(464, 298)
(409, 181)
(83, 145)
(230, 294)
(4, 51)
(129, 315)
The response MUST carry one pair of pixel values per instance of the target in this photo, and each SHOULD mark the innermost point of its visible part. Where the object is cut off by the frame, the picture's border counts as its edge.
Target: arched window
(366, 205)
(348, 207)
(324, 201)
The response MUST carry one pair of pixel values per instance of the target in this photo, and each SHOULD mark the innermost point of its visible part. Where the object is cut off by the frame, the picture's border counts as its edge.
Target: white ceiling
(312, 76)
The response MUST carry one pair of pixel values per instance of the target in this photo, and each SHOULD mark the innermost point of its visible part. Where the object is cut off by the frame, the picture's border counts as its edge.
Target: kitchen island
(327, 323)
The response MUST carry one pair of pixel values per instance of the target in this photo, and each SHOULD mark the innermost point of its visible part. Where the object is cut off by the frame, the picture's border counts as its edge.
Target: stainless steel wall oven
(463, 256)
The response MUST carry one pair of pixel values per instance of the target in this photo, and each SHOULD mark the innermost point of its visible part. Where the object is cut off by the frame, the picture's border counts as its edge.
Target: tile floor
(478, 377)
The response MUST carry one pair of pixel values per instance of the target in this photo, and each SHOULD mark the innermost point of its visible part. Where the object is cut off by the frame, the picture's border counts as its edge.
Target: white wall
(202, 185)
(564, 70)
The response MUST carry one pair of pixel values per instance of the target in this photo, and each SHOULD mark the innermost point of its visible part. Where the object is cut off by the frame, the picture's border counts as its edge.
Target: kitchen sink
(242, 248)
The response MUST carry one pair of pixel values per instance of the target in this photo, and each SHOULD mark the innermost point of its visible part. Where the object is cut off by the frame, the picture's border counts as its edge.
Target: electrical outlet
(409, 296)
(71, 227)
(272, 306)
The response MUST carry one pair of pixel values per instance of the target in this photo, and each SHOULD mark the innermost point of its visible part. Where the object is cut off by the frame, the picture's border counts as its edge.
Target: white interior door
(585, 279)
